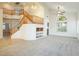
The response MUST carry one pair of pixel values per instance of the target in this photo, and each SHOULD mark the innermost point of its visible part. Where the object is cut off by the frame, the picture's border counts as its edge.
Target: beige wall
(37, 11)
(1, 24)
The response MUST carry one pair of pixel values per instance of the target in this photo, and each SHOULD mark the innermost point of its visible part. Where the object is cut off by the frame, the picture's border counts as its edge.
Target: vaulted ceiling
(68, 6)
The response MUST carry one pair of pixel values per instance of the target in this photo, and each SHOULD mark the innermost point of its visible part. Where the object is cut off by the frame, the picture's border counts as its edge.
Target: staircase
(26, 29)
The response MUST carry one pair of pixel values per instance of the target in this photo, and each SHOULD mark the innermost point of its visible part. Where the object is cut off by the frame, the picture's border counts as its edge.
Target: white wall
(26, 32)
(71, 26)
(78, 25)
(46, 20)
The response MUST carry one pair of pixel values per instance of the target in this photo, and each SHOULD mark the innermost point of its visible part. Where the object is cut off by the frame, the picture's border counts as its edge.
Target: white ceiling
(68, 6)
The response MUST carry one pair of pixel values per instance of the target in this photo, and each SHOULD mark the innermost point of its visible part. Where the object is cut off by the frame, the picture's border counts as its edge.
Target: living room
(39, 28)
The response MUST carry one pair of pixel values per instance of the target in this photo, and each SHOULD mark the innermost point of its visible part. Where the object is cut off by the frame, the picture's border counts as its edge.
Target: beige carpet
(48, 46)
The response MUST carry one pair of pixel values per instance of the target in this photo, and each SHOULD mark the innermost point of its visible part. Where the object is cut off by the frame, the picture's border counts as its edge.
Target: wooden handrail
(33, 19)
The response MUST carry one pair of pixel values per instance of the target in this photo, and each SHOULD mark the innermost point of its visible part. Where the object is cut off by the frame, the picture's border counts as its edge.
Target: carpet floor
(48, 46)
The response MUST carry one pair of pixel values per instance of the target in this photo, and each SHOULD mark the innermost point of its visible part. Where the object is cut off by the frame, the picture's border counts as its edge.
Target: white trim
(64, 34)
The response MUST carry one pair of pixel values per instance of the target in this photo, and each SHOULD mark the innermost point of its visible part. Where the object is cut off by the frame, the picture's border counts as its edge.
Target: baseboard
(65, 35)
(78, 36)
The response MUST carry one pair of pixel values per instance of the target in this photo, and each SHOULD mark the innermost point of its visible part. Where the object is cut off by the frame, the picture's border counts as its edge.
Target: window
(62, 24)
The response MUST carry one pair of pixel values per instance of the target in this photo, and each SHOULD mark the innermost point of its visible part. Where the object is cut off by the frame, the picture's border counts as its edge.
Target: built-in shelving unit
(39, 31)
